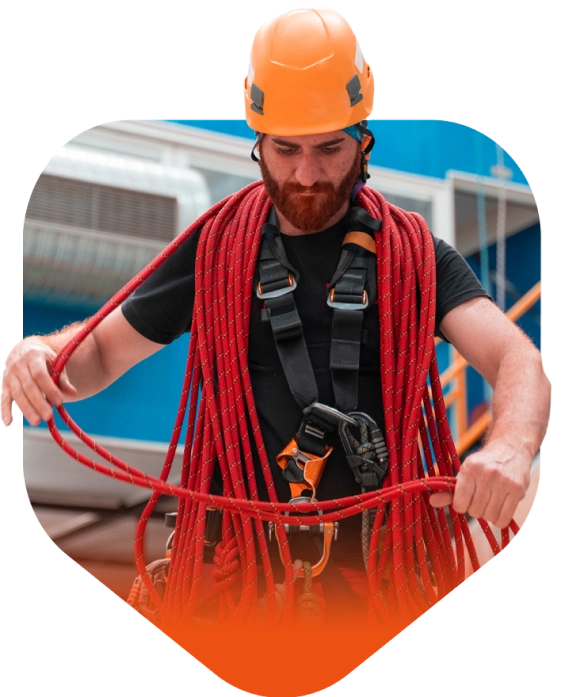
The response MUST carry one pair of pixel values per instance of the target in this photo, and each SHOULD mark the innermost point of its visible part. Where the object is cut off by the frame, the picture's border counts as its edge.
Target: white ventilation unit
(95, 219)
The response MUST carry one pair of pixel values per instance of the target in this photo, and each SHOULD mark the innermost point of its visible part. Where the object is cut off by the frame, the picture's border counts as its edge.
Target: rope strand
(411, 558)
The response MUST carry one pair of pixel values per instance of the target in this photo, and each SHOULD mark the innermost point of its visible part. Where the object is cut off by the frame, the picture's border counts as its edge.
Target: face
(310, 178)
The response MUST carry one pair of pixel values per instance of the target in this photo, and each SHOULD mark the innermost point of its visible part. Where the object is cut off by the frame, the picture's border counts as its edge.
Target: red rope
(412, 561)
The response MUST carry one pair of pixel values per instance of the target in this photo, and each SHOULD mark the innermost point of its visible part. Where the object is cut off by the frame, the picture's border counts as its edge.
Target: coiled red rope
(412, 561)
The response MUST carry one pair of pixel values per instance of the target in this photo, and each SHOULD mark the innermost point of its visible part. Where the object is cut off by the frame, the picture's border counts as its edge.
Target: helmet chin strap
(367, 143)
(356, 189)
(259, 139)
(366, 146)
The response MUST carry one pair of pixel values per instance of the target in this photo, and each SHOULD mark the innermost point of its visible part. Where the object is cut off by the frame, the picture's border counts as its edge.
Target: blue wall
(142, 404)
(429, 148)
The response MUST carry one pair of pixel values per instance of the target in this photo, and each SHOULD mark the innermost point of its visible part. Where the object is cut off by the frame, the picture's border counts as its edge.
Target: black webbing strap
(347, 335)
(312, 436)
(276, 285)
(352, 289)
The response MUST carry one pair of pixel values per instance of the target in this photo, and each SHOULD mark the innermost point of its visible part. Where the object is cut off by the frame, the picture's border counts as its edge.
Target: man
(308, 93)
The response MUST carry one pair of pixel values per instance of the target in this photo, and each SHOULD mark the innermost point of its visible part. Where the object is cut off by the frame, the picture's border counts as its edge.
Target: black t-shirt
(161, 310)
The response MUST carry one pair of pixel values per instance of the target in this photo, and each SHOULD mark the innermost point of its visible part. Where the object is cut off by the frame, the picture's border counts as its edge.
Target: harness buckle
(341, 305)
(278, 291)
(212, 532)
(330, 417)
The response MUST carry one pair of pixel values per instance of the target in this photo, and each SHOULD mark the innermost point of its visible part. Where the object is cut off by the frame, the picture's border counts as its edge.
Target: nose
(307, 171)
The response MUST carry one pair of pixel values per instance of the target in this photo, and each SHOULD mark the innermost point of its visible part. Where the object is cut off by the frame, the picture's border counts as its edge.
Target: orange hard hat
(307, 75)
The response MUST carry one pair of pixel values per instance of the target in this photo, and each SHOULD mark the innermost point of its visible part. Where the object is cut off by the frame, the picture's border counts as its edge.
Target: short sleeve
(455, 281)
(161, 308)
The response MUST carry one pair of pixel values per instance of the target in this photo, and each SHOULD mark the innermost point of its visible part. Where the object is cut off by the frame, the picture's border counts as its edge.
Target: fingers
(494, 506)
(490, 484)
(441, 499)
(65, 386)
(6, 404)
(29, 398)
(479, 504)
(27, 382)
(465, 487)
(506, 513)
(39, 386)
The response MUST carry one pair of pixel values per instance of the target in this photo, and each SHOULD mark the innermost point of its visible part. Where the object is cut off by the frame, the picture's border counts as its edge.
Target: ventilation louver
(94, 220)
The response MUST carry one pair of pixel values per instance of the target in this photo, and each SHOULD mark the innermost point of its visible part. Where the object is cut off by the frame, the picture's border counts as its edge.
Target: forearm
(521, 400)
(493, 480)
(109, 351)
(85, 368)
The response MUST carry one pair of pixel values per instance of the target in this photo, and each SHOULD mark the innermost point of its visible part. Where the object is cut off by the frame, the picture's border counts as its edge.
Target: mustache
(316, 188)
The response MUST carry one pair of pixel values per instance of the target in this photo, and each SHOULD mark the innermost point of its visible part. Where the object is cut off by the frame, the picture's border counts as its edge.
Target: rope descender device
(303, 472)
(300, 469)
(327, 530)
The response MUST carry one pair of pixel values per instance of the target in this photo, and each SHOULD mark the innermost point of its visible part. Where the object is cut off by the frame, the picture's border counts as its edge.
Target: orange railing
(456, 398)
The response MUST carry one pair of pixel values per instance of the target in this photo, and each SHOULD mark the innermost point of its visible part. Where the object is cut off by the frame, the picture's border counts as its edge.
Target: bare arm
(494, 480)
(108, 352)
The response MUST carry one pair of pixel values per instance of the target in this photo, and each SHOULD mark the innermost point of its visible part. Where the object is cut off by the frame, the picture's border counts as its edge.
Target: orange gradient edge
(281, 662)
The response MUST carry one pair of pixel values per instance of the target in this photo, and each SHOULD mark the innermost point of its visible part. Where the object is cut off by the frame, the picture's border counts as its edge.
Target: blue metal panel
(142, 404)
(231, 128)
(430, 148)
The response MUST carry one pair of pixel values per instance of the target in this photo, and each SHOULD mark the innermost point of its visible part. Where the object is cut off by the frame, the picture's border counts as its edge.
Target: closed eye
(286, 151)
(294, 151)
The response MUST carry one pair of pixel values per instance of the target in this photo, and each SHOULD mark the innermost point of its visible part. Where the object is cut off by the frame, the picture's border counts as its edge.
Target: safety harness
(352, 289)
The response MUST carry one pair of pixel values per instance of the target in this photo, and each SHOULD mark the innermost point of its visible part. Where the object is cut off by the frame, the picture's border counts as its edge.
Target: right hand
(28, 383)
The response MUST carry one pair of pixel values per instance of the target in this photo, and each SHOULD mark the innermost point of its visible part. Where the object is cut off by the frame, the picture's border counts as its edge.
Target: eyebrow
(289, 144)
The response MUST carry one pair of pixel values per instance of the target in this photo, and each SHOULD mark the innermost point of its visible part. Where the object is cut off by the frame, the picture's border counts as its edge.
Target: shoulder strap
(352, 289)
(276, 283)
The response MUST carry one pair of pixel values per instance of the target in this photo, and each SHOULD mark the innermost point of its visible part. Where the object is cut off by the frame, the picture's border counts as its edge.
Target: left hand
(490, 484)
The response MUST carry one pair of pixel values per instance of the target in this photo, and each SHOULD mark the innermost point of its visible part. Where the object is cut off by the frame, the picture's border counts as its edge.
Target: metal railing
(455, 374)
